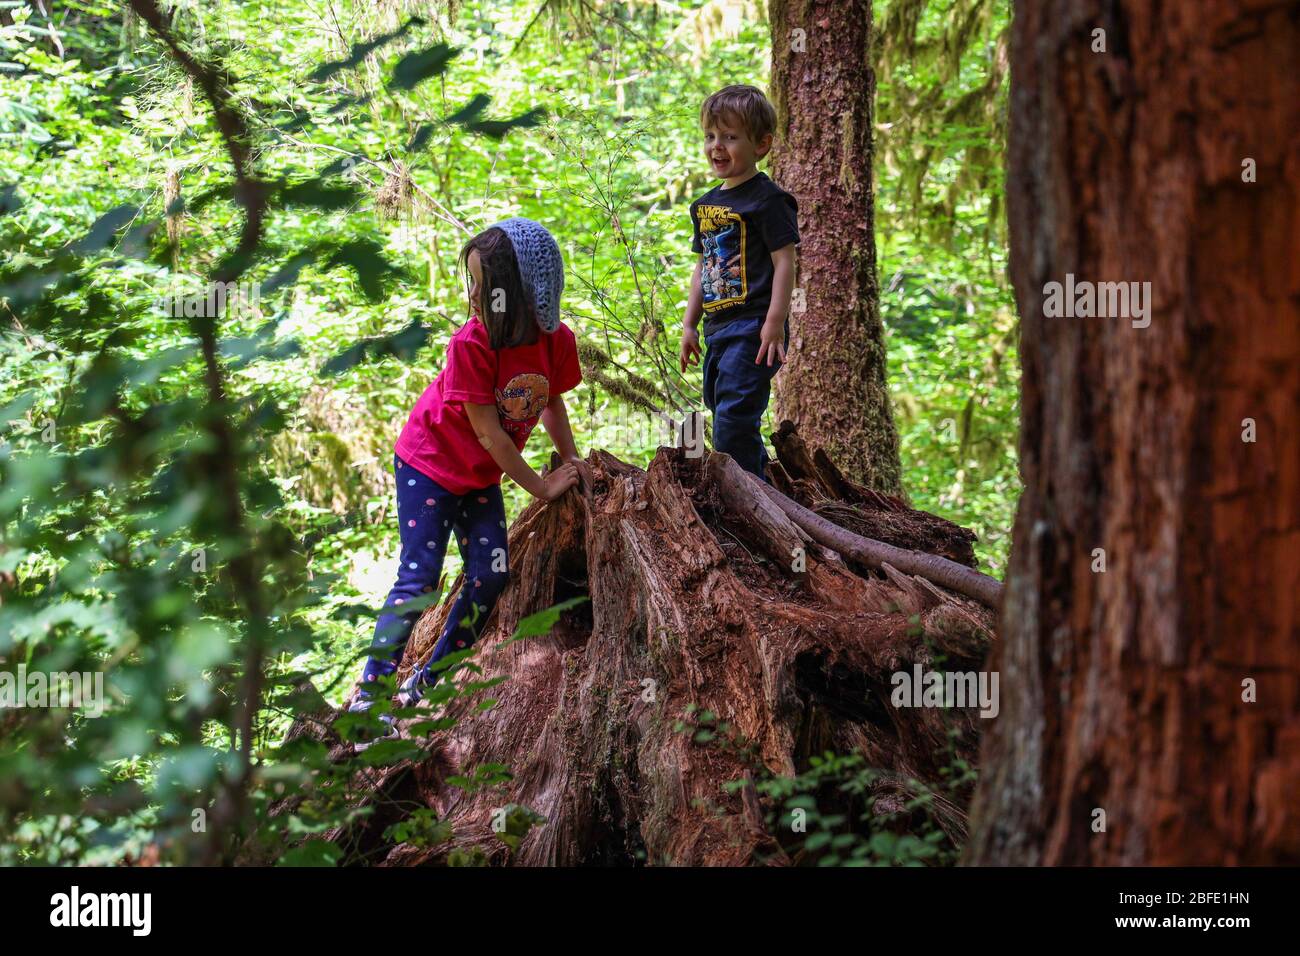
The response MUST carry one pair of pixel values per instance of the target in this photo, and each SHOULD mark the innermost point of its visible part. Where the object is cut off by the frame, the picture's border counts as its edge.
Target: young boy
(745, 231)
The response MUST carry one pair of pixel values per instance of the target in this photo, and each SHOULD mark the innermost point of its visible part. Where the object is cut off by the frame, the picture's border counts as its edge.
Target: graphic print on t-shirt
(522, 400)
(722, 273)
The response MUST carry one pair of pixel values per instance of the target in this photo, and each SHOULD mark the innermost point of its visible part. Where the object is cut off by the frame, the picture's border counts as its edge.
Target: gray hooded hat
(540, 266)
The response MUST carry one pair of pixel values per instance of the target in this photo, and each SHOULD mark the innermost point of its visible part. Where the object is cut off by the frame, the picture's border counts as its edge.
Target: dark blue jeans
(427, 514)
(736, 391)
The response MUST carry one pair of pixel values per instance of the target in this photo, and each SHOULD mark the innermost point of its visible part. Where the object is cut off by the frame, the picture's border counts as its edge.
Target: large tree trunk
(696, 597)
(1128, 691)
(834, 383)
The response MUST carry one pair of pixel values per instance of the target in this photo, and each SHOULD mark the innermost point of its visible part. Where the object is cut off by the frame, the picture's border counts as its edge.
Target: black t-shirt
(736, 231)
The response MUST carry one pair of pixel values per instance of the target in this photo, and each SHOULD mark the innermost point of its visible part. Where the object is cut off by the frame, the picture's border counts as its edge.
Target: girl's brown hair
(505, 307)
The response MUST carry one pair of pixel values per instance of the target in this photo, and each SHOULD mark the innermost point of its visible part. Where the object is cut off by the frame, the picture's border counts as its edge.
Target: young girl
(506, 368)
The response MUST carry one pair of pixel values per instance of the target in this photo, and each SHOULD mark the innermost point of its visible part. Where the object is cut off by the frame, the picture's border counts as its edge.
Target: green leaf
(884, 844)
(817, 840)
(385, 753)
(289, 272)
(15, 410)
(10, 201)
(420, 139)
(540, 624)
(321, 195)
(401, 345)
(29, 285)
(414, 68)
(366, 258)
(103, 230)
(362, 50)
(471, 110)
(189, 769)
(496, 129)
(312, 853)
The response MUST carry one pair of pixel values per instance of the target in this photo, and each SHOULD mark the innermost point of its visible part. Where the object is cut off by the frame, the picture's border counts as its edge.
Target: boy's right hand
(690, 353)
(559, 481)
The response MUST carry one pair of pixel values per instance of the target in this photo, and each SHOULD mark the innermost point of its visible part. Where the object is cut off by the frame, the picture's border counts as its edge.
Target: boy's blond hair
(746, 103)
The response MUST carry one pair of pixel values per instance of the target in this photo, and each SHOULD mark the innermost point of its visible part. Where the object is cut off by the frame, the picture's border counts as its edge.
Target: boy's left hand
(771, 343)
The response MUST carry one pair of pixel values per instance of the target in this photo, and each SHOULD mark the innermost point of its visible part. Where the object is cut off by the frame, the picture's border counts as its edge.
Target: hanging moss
(393, 200)
(918, 53)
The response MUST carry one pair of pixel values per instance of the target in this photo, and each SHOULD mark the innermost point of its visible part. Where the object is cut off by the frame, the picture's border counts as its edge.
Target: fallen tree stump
(702, 591)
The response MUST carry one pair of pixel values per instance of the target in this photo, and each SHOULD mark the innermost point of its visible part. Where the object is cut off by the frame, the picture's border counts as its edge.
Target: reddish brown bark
(1123, 690)
(694, 600)
(833, 385)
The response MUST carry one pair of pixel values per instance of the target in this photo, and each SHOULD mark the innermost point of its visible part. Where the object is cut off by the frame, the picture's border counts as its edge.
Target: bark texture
(697, 596)
(834, 383)
(1123, 690)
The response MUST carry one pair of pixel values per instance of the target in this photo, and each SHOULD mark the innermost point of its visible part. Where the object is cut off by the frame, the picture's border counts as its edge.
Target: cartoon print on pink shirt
(524, 397)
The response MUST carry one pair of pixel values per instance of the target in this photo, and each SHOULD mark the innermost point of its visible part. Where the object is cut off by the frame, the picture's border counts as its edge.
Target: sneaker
(360, 706)
(411, 692)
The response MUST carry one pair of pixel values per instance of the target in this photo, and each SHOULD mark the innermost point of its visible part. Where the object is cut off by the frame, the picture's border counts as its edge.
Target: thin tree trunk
(833, 385)
(1127, 693)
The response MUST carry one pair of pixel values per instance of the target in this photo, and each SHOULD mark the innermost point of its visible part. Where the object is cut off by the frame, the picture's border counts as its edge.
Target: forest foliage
(200, 509)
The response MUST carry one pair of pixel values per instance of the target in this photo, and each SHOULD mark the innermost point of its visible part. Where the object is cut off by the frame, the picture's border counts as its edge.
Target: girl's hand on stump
(559, 481)
(586, 480)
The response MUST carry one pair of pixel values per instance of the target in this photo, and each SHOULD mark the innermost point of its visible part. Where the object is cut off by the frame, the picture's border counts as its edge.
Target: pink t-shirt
(438, 439)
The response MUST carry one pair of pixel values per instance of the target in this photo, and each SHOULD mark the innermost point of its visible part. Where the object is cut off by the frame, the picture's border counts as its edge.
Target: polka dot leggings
(427, 514)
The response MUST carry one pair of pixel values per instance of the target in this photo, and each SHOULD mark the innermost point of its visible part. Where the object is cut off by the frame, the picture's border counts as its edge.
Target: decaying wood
(702, 591)
(876, 554)
(811, 479)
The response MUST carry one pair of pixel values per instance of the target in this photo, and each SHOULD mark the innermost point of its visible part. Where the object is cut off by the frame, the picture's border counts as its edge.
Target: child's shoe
(363, 704)
(412, 690)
